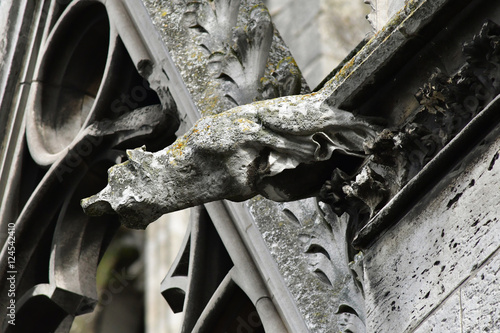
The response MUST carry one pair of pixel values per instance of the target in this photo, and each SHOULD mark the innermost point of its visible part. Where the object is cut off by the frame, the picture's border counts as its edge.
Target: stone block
(446, 319)
(481, 299)
(439, 244)
(473, 307)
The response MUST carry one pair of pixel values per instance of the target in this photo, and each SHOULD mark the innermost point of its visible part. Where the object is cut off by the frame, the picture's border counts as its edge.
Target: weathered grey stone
(313, 261)
(5, 7)
(227, 65)
(164, 239)
(480, 298)
(379, 50)
(213, 93)
(447, 318)
(417, 264)
(242, 63)
(234, 155)
(320, 33)
(473, 307)
(221, 65)
(383, 11)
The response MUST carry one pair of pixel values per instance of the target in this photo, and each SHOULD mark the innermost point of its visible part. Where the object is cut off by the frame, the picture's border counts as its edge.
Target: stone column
(382, 11)
(320, 33)
(163, 240)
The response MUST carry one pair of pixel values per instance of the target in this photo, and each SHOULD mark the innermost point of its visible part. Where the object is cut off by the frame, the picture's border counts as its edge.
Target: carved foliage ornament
(447, 104)
(252, 153)
(257, 148)
(247, 150)
(228, 53)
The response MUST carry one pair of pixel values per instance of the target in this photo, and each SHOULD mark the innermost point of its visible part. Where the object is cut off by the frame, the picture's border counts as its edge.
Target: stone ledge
(407, 32)
(439, 247)
(430, 175)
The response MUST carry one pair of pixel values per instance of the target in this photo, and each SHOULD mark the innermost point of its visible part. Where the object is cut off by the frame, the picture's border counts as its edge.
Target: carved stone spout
(283, 149)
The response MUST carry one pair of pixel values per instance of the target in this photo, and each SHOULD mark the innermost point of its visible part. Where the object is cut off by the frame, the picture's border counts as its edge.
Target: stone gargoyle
(284, 149)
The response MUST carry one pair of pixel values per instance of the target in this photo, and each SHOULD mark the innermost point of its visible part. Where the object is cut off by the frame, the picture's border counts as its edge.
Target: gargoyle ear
(325, 146)
(306, 180)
